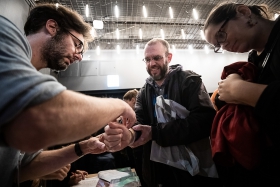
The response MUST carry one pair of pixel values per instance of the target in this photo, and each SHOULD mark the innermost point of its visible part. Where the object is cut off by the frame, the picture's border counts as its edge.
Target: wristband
(78, 150)
(133, 136)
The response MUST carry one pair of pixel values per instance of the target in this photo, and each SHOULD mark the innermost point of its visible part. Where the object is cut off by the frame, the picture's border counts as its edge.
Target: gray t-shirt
(21, 86)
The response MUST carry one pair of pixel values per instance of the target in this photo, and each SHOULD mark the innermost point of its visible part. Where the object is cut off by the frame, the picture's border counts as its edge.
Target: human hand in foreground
(230, 89)
(93, 145)
(59, 174)
(116, 136)
(146, 135)
(76, 177)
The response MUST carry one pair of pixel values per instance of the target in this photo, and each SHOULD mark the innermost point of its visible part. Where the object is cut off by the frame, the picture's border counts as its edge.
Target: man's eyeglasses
(221, 37)
(155, 58)
(79, 47)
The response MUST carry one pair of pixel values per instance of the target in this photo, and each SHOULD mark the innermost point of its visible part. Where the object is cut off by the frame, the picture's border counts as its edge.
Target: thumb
(137, 127)
(114, 125)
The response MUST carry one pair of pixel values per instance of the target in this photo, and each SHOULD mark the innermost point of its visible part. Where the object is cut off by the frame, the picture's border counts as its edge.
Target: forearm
(66, 118)
(248, 93)
(50, 161)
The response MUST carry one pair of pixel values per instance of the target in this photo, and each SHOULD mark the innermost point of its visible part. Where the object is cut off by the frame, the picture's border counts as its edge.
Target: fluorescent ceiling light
(117, 14)
(183, 34)
(87, 10)
(171, 12)
(145, 11)
(118, 34)
(195, 15)
(98, 50)
(140, 34)
(162, 33)
(202, 35)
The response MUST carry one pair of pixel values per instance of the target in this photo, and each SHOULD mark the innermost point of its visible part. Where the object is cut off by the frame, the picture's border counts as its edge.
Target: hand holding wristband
(133, 136)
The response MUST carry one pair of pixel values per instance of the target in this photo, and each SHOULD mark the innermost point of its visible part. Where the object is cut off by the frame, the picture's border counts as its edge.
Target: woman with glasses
(250, 28)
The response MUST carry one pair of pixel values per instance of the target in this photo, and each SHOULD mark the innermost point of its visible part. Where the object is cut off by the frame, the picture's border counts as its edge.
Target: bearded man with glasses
(35, 110)
(183, 87)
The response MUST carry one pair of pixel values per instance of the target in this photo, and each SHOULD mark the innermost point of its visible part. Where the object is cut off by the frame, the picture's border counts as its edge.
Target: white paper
(88, 182)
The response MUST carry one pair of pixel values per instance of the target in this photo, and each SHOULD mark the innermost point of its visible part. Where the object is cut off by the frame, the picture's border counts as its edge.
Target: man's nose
(78, 57)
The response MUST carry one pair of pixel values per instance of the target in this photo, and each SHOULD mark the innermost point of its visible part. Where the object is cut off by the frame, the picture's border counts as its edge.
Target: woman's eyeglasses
(221, 37)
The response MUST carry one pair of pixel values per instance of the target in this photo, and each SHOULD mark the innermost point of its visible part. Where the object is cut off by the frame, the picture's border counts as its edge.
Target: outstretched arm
(68, 117)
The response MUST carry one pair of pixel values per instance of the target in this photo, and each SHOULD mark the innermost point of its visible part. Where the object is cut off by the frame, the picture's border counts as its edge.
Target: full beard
(53, 53)
(163, 71)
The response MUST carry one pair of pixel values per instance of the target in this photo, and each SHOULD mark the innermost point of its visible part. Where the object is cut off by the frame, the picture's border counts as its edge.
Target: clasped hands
(118, 136)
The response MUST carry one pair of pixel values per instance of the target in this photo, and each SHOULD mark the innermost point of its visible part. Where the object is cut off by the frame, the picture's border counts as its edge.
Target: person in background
(35, 110)
(250, 28)
(185, 88)
(135, 155)
(130, 97)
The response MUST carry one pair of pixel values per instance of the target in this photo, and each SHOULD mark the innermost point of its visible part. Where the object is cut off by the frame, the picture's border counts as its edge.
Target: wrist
(132, 136)
(78, 150)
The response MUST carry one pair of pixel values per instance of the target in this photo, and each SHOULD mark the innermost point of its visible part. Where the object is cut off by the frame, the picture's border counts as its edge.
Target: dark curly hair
(67, 19)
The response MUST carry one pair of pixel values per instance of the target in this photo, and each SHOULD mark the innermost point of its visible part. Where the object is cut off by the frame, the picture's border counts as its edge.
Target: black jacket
(267, 109)
(187, 89)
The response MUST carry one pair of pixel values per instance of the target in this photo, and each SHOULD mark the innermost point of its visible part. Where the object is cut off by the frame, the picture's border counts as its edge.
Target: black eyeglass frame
(218, 46)
(76, 45)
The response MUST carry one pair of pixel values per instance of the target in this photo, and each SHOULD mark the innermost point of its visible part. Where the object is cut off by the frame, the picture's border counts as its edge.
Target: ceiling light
(183, 34)
(86, 10)
(98, 50)
(140, 34)
(137, 49)
(173, 49)
(56, 5)
(171, 12)
(191, 49)
(145, 11)
(118, 49)
(162, 33)
(206, 49)
(202, 35)
(195, 15)
(118, 34)
(117, 14)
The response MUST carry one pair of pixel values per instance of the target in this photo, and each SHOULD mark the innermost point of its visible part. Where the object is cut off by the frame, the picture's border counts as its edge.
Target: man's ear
(243, 10)
(169, 57)
(51, 27)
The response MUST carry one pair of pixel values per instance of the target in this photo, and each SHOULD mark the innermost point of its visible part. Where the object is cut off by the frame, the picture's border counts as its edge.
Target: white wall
(16, 11)
(91, 73)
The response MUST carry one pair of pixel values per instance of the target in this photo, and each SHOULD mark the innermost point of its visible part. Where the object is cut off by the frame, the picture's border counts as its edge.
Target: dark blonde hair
(130, 94)
(67, 19)
(226, 10)
(159, 40)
